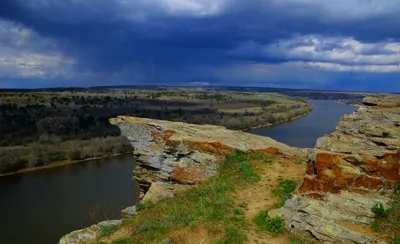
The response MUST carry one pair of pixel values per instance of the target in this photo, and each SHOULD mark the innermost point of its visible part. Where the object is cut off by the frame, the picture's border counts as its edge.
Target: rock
(129, 212)
(161, 190)
(88, 234)
(382, 101)
(345, 175)
(185, 153)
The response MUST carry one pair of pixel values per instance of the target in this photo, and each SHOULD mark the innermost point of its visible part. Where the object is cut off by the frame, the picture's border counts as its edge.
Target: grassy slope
(220, 211)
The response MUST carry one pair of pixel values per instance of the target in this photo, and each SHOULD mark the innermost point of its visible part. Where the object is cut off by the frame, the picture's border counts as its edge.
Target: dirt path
(258, 197)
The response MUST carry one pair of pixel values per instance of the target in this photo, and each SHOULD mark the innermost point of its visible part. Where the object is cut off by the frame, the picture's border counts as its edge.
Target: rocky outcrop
(346, 175)
(89, 234)
(186, 154)
(382, 101)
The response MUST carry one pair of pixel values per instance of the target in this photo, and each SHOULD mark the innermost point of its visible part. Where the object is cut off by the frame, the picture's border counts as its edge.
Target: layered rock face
(347, 173)
(177, 154)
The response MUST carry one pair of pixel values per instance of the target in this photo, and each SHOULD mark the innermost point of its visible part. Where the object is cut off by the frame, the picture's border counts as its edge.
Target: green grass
(238, 211)
(396, 239)
(247, 172)
(210, 205)
(108, 230)
(397, 188)
(233, 235)
(139, 206)
(380, 211)
(387, 220)
(126, 240)
(283, 191)
(275, 224)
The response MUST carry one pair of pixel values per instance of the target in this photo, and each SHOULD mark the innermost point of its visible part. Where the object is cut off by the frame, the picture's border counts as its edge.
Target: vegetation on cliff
(221, 210)
(387, 219)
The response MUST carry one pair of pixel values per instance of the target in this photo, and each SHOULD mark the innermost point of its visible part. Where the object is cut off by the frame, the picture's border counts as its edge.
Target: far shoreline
(60, 164)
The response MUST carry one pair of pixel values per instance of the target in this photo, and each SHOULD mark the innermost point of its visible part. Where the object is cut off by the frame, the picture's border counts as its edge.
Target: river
(305, 131)
(41, 206)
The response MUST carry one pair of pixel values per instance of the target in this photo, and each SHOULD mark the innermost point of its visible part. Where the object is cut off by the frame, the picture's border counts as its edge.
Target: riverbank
(45, 153)
(61, 163)
(278, 123)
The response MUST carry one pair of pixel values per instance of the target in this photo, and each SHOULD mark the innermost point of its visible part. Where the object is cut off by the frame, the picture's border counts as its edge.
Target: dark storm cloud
(183, 40)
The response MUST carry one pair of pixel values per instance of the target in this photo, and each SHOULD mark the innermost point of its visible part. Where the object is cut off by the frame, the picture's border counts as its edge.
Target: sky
(351, 45)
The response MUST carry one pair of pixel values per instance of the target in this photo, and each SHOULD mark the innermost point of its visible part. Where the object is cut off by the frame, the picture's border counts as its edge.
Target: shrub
(396, 239)
(238, 211)
(261, 218)
(139, 206)
(274, 225)
(380, 211)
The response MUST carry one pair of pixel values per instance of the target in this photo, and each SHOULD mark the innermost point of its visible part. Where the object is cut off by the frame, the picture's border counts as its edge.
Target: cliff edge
(348, 172)
(186, 154)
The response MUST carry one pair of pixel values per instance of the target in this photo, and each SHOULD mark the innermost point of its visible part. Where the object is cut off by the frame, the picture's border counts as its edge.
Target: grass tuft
(396, 239)
(274, 225)
(139, 206)
(283, 191)
(238, 211)
(233, 235)
(108, 230)
(247, 172)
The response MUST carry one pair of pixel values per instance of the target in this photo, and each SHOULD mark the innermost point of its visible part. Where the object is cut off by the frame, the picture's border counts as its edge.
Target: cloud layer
(286, 43)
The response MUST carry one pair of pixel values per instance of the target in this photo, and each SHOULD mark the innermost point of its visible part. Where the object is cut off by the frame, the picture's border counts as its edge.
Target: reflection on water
(42, 206)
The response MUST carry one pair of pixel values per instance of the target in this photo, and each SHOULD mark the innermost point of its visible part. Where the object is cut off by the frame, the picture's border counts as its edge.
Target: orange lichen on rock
(388, 167)
(369, 182)
(315, 195)
(270, 150)
(326, 160)
(156, 134)
(191, 174)
(311, 183)
(168, 134)
(211, 147)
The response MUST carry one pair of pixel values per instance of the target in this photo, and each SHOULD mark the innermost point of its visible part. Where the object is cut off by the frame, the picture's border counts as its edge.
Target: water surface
(305, 131)
(42, 206)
